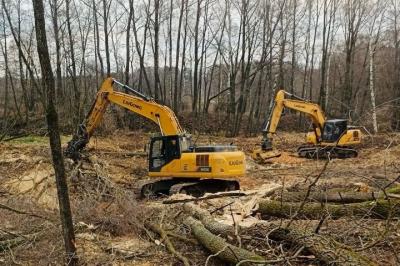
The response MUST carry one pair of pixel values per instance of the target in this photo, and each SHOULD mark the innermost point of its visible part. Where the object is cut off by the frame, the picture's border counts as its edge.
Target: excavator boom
(313, 110)
(140, 104)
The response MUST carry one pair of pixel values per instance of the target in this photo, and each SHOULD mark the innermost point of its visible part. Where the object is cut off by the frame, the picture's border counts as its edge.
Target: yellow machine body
(204, 165)
(172, 154)
(329, 136)
(349, 138)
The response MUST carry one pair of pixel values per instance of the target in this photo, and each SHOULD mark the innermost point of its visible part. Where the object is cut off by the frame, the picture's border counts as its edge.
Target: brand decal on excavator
(132, 104)
(236, 162)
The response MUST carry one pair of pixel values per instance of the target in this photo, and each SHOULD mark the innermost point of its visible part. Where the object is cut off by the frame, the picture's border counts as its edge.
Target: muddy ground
(109, 221)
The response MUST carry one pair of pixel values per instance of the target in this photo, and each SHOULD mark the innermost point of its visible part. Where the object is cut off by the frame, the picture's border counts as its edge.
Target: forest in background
(207, 58)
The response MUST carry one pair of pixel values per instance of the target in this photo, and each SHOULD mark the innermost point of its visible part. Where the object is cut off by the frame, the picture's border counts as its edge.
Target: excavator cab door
(163, 150)
(333, 130)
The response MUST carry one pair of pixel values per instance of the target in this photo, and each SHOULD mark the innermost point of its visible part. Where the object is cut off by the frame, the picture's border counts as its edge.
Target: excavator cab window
(333, 130)
(162, 151)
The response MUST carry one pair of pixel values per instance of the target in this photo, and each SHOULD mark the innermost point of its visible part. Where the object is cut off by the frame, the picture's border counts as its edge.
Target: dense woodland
(207, 57)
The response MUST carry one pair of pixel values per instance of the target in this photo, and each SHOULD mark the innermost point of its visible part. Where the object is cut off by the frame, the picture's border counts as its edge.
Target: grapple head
(77, 143)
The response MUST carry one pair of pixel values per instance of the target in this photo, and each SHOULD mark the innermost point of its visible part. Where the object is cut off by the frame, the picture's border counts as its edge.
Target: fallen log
(17, 241)
(3, 206)
(394, 189)
(334, 197)
(379, 209)
(263, 191)
(218, 245)
(168, 243)
(207, 197)
(206, 218)
(324, 248)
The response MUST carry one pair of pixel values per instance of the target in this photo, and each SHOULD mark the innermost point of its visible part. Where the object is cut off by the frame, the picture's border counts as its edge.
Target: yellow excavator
(329, 139)
(176, 165)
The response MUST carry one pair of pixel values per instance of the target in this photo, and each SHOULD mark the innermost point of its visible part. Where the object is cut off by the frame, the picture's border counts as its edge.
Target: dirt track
(27, 182)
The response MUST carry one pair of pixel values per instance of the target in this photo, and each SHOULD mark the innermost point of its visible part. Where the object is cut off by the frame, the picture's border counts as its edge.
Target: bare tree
(106, 13)
(329, 14)
(396, 86)
(72, 71)
(196, 57)
(54, 135)
(157, 85)
(354, 16)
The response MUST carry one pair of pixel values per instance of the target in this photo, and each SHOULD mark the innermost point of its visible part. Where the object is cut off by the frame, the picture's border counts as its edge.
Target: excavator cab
(164, 149)
(334, 129)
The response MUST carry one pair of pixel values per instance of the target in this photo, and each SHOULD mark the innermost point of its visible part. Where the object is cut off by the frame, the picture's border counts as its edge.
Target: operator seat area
(334, 129)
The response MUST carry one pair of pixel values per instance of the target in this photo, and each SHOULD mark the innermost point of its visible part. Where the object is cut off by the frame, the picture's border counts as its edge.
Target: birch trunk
(372, 86)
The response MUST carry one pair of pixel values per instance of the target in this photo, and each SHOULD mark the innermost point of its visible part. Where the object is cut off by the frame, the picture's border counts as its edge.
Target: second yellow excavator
(329, 138)
(176, 165)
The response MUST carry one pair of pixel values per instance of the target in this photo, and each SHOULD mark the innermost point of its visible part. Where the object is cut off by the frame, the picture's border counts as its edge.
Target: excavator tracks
(326, 152)
(194, 187)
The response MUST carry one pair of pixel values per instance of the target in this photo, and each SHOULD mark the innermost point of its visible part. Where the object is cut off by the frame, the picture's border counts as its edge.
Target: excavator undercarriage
(326, 152)
(191, 186)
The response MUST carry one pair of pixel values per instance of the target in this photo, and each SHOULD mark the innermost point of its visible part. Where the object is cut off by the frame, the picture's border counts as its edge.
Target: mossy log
(325, 249)
(333, 197)
(218, 245)
(394, 190)
(380, 209)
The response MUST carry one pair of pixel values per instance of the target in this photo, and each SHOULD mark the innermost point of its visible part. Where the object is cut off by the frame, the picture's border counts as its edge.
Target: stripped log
(334, 197)
(218, 245)
(380, 209)
(235, 193)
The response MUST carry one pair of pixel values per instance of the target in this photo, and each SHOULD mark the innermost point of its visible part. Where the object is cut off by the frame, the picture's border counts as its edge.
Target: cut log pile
(250, 225)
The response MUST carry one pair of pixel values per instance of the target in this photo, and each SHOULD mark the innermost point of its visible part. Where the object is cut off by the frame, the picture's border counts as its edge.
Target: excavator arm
(140, 104)
(311, 109)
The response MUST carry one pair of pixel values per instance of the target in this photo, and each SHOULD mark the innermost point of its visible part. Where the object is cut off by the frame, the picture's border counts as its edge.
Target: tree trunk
(157, 85)
(77, 94)
(380, 209)
(97, 39)
(196, 58)
(54, 14)
(54, 136)
(178, 44)
(218, 245)
(331, 197)
(293, 64)
(106, 9)
(372, 87)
